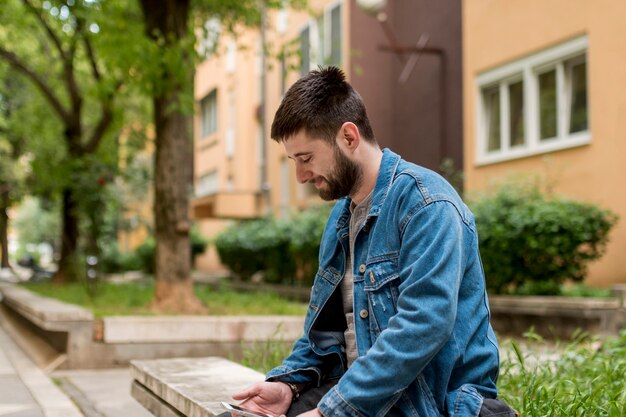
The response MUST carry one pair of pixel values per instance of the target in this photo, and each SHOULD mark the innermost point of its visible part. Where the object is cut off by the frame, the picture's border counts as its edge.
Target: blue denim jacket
(425, 344)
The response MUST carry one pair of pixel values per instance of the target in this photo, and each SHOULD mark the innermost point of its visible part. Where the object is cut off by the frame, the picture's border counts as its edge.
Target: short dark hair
(320, 103)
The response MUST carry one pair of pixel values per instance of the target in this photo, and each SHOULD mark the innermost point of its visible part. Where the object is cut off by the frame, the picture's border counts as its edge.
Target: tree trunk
(4, 229)
(69, 267)
(173, 159)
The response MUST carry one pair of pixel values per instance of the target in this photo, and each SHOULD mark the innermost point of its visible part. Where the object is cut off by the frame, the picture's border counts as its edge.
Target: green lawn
(134, 299)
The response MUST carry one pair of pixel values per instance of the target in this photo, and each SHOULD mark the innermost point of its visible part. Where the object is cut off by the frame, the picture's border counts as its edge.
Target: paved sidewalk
(26, 390)
(101, 392)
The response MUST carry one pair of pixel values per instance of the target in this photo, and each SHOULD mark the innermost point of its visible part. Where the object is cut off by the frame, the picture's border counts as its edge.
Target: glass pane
(491, 99)
(209, 114)
(516, 113)
(578, 121)
(335, 33)
(305, 44)
(547, 105)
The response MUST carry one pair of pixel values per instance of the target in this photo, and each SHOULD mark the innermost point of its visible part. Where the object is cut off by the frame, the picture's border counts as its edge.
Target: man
(398, 322)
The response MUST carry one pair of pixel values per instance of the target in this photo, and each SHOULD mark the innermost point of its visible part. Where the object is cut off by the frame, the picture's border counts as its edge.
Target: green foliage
(112, 260)
(256, 245)
(264, 356)
(533, 242)
(306, 229)
(37, 223)
(283, 250)
(578, 379)
(146, 252)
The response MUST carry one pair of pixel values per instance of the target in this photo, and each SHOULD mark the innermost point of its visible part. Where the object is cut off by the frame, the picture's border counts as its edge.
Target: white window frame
(207, 184)
(528, 70)
(208, 115)
(320, 36)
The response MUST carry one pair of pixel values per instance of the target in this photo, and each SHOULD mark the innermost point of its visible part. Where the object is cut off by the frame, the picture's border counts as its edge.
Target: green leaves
(284, 250)
(530, 240)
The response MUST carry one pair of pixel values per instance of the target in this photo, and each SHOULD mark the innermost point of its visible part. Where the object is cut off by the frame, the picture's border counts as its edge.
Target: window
(208, 114)
(535, 105)
(207, 184)
(320, 40)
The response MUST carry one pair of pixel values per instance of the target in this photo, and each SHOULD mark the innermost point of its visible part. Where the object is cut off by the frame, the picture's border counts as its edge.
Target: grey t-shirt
(357, 221)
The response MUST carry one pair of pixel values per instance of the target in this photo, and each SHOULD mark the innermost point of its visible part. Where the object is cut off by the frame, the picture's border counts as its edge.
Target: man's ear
(349, 135)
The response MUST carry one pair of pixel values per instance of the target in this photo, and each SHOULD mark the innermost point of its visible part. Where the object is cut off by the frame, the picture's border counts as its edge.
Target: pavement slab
(26, 390)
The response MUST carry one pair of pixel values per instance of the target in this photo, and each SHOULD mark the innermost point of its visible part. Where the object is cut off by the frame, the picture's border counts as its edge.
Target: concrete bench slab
(192, 387)
(47, 313)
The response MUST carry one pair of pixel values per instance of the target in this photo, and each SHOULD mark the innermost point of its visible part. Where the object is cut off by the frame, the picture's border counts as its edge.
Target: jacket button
(362, 268)
(363, 313)
(372, 280)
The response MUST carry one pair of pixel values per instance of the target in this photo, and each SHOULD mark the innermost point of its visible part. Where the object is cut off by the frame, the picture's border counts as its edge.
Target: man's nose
(302, 174)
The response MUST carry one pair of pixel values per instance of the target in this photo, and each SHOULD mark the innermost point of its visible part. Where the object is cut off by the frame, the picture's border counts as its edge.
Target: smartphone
(243, 411)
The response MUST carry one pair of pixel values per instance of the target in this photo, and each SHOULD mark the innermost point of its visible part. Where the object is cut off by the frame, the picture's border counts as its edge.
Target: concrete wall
(495, 33)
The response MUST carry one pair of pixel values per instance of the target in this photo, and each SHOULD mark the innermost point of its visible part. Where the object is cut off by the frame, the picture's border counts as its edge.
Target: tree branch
(55, 39)
(92, 59)
(106, 118)
(12, 59)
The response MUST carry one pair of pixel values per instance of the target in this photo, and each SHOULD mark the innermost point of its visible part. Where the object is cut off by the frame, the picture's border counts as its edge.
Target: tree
(170, 26)
(79, 73)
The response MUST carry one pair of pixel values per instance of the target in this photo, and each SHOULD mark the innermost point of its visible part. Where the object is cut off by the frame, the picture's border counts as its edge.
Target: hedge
(530, 242)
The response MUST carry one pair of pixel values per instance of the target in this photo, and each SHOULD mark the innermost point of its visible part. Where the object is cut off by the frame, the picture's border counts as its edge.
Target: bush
(536, 243)
(256, 245)
(112, 260)
(305, 236)
(283, 250)
(146, 252)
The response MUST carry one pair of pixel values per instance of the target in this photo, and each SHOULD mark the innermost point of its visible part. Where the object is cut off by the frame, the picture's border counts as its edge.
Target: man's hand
(267, 397)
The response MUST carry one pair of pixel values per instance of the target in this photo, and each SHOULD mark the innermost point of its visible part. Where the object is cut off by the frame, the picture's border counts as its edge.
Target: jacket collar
(386, 173)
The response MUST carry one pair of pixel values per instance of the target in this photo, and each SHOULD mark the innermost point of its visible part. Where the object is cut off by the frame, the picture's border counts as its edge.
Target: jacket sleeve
(431, 260)
(302, 366)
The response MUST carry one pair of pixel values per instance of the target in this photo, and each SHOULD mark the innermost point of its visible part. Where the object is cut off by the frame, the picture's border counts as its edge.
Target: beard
(344, 179)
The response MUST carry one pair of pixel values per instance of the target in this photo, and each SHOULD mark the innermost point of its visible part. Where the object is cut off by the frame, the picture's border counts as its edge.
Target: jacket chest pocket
(381, 282)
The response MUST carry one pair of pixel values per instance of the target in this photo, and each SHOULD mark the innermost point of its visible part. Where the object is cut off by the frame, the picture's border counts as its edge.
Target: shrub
(530, 241)
(146, 252)
(305, 236)
(283, 250)
(113, 260)
(256, 245)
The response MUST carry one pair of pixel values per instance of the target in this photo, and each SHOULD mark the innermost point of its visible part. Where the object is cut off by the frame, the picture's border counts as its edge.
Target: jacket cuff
(296, 376)
(333, 404)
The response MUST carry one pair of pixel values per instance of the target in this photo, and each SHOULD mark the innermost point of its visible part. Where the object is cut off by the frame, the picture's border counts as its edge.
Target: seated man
(398, 322)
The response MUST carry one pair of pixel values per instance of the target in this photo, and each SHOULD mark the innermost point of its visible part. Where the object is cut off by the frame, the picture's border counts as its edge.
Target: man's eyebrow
(299, 154)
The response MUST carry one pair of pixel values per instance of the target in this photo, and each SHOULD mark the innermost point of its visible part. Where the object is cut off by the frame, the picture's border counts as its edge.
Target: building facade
(544, 93)
(405, 62)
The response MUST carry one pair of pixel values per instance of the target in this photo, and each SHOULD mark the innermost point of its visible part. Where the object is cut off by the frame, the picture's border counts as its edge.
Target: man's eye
(306, 160)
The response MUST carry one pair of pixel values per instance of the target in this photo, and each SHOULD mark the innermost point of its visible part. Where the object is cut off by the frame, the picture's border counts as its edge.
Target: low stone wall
(557, 317)
(67, 336)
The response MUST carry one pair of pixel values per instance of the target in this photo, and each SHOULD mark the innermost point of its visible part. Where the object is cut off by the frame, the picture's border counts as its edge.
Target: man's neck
(370, 161)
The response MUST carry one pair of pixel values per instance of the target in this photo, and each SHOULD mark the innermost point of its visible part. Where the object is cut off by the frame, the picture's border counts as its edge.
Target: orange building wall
(497, 32)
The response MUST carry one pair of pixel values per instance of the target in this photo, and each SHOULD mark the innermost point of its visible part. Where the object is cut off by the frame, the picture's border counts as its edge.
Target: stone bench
(52, 332)
(192, 387)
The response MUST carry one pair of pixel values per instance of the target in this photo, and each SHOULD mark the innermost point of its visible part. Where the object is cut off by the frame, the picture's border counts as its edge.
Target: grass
(134, 299)
(584, 377)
